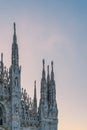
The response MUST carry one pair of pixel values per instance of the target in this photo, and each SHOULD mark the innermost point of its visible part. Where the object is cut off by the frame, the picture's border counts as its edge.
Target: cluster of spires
(48, 92)
(48, 75)
(21, 102)
(15, 61)
(15, 51)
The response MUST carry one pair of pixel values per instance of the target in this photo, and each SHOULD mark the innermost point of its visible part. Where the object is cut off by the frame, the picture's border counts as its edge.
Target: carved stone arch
(2, 115)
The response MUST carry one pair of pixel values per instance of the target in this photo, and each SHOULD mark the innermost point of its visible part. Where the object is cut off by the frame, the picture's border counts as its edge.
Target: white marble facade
(17, 110)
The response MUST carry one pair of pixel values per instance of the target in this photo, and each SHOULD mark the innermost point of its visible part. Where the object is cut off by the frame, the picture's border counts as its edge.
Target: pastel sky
(55, 30)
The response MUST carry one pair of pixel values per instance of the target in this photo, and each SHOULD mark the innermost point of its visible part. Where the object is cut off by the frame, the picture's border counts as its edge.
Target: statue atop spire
(14, 28)
(43, 72)
(2, 57)
(15, 56)
(43, 63)
(52, 72)
(14, 36)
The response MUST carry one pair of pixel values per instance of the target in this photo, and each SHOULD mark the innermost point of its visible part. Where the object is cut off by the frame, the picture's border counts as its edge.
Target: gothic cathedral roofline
(17, 110)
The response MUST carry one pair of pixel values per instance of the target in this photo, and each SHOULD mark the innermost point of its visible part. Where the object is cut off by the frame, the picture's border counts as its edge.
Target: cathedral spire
(53, 86)
(48, 86)
(43, 71)
(35, 98)
(14, 36)
(14, 28)
(2, 61)
(52, 71)
(43, 84)
(48, 76)
(2, 57)
(15, 56)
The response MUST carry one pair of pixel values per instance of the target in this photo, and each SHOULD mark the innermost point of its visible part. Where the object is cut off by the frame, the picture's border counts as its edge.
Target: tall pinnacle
(53, 84)
(35, 89)
(15, 56)
(14, 36)
(35, 98)
(14, 28)
(52, 72)
(48, 76)
(43, 72)
(2, 57)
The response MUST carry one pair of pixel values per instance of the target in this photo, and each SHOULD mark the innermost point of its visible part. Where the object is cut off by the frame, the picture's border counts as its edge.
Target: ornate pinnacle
(15, 56)
(43, 72)
(43, 64)
(2, 57)
(14, 36)
(35, 89)
(52, 73)
(52, 65)
(14, 28)
(48, 76)
(48, 69)
(35, 98)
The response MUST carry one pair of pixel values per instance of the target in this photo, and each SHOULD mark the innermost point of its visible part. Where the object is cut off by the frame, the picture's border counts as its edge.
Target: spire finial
(48, 69)
(35, 90)
(52, 65)
(52, 73)
(43, 64)
(14, 35)
(15, 56)
(35, 85)
(14, 28)
(48, 76)
(43, 72)
(35, 98)
(2, 57)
